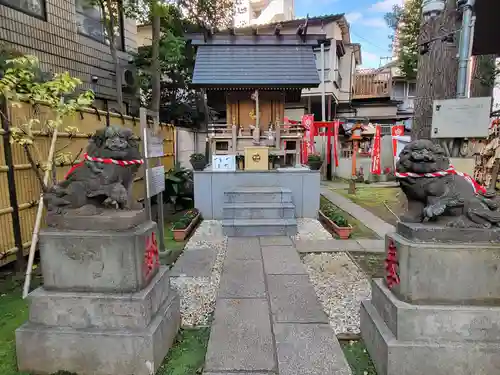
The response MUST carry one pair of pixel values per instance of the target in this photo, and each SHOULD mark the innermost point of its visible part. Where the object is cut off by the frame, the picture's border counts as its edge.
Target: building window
(90, 22)
(412, 89)
(35, 8)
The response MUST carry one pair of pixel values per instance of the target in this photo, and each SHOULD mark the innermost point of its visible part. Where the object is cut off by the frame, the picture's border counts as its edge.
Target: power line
(371, 43)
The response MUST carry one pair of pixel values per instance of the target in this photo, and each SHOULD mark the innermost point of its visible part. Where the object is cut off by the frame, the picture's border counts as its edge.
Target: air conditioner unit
(129, 78)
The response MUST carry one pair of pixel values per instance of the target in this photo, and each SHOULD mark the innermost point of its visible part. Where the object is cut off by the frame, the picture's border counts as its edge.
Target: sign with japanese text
(224, 163)
(396, 131)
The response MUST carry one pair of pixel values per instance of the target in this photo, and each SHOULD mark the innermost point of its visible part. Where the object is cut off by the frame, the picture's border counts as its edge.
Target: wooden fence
(19, 200)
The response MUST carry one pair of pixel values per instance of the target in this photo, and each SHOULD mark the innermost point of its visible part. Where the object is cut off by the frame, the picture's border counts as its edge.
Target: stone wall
(59, 46)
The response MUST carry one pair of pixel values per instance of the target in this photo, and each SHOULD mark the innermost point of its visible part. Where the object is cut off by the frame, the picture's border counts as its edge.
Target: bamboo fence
(26, 189)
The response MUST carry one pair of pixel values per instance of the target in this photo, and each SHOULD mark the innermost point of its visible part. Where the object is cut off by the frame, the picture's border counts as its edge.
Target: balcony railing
(372, 84)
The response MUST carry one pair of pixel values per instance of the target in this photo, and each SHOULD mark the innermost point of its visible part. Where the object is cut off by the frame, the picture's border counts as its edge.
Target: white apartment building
(260, 12)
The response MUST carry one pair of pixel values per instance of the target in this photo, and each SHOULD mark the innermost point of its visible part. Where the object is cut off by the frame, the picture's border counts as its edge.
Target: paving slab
(243, 248)
(372, 246)
(326, 246)
(293, 300)
(373, 222)
(282, 260)
(195, 263)
(242, 279)
(275, 241)
(309, 349)
(241, 338)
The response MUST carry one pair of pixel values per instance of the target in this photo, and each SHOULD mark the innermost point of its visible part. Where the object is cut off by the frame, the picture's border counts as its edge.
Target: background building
(259, 12)
(67, 35)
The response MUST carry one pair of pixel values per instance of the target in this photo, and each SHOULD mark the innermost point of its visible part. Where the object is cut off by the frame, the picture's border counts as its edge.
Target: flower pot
(198, 165)
(343, 232)
(182, 234)
(315, 165)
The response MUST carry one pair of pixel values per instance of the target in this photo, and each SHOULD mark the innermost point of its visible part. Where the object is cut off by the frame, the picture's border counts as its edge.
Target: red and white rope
(123, 163)
(451, 170)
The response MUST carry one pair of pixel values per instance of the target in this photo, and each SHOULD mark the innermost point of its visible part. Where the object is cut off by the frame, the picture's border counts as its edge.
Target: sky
(366, 18)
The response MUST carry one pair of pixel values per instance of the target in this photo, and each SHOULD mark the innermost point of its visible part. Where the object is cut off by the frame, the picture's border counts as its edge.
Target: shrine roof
(257, 61)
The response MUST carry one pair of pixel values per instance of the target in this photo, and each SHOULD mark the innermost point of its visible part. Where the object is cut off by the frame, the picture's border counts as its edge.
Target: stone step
(278, 210)
(258, 195)
(259, 227)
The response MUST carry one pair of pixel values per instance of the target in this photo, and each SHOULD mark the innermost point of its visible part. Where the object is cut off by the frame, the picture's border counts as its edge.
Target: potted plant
(314, 161)
(272, 158)
(198, 161)
(183, 227)
(240, 160)
(335, 220)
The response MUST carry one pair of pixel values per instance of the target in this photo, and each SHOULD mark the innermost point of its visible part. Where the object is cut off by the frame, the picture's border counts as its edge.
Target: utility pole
(467, 8)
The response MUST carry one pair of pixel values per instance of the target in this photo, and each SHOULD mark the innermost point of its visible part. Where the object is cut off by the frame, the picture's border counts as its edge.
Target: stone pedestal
(106, 306)
(442, 316)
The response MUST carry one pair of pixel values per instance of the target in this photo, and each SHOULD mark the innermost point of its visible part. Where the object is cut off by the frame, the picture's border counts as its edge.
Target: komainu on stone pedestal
(438, 193)
(103, 180)
(106, 306)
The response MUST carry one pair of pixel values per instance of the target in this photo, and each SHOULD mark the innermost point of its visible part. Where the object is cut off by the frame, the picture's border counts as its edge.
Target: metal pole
(463, 50)
(323, 88)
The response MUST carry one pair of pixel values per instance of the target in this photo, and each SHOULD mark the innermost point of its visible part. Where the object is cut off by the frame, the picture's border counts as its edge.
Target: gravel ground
(311, 229)
(198, 293)
(340, 286)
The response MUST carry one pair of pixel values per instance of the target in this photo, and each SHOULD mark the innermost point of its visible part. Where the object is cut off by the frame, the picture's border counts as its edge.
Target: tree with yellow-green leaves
(405, 22)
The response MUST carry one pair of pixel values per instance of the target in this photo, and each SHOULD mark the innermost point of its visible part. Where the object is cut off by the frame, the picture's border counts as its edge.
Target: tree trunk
(437, 70)
(155, 62)
(482, 81)
(110, 26)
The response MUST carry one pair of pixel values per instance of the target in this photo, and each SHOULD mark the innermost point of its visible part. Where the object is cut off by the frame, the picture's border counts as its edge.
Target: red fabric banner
(376, 167)
(396, 130)
(307, 147)
(336, 126)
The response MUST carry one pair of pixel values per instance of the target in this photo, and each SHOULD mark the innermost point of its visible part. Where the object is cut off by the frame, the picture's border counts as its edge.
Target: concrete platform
(99, 333)
(395, 357)
(406, 339)
(46, 350)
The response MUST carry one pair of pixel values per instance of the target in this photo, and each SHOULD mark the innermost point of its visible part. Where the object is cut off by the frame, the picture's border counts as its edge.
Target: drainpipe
(463, 51)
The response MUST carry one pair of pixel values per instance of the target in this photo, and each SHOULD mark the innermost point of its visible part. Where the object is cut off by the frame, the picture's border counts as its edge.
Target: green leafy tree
(179, 103)
(22, 82)
(405, 22)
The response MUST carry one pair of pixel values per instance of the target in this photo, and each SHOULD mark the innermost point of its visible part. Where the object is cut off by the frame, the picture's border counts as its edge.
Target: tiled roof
(255, 66)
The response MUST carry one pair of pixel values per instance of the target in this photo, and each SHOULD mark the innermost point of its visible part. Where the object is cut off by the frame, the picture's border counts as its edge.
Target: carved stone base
(99, 333)
(447, 273)
(97, 261)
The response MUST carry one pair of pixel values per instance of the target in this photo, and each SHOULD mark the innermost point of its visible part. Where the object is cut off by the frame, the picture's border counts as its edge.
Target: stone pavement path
(376, 224)
(267, 317)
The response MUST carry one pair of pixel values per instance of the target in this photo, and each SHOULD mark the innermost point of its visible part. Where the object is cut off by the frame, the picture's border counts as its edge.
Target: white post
(323, 88)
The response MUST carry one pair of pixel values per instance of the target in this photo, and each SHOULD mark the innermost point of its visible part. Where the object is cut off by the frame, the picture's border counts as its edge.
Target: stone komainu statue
(437, 192)
(104, 179)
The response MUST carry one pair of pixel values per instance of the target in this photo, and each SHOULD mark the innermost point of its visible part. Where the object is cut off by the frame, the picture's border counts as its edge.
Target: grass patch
(371, 263)
(358, 357)
(13, 313)
(187, 356)
(359, 229)
(375, 199)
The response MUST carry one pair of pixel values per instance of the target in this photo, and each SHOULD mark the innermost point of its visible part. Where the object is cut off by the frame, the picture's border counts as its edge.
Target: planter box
(182, 234)
(342, 232)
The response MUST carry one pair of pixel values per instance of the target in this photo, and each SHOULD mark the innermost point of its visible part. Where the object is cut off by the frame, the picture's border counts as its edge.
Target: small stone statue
(104, 179)
(437, 192)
